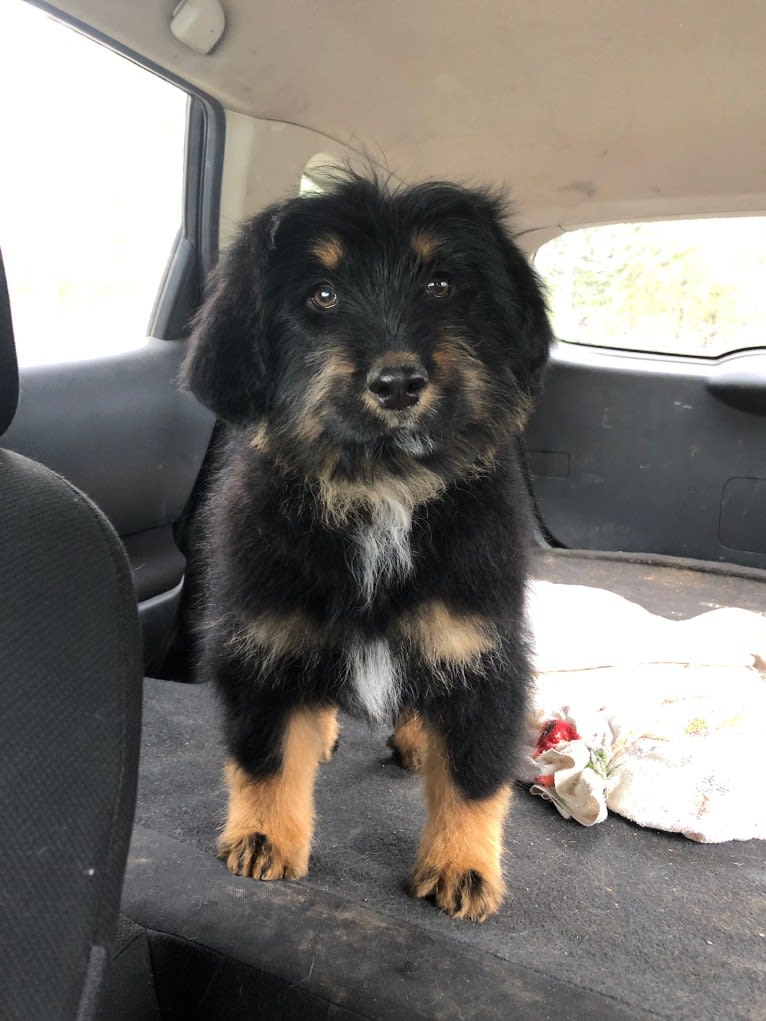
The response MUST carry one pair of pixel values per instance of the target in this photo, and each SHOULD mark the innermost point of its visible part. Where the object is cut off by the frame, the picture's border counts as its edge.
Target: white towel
(666, 719)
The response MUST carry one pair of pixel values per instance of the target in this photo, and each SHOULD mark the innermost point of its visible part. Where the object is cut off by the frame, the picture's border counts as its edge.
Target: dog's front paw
(257, 856)
(461, 892)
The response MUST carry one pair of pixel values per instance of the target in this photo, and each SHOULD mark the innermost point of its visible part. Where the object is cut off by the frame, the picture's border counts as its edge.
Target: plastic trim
(714, 567)
(195, 251)
(157, 615)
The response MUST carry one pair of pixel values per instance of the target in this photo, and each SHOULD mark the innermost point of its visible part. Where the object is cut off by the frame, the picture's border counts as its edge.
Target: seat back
(70, 685)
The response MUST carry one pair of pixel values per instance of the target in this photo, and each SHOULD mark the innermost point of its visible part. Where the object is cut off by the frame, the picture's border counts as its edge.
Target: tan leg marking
(329, 729)
(270, 824)
(410, 741)
(459, 858)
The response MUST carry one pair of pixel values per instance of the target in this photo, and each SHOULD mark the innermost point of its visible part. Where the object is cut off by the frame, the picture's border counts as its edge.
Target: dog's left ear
(227, 363)
(532, 335)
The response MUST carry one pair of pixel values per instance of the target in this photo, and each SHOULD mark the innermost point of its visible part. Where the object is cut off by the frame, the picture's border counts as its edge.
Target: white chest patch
(372, 674)
(383, 547)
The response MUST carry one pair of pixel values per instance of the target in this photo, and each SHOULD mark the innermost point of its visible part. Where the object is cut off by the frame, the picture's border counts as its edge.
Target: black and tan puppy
(374, 352)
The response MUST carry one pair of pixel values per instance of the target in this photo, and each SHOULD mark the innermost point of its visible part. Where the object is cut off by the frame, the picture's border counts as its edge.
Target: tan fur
(461, 841)
(443, 637)
(333, 371)
(341, 498)
(259, 440)
(445, 356)
(329, 729)
(410, 741)
(271, 636)
(416, 485)
(329, 251)
(424, 244)
(429, 398)
(373, 406)
(280, 808)
(458, 364)
(405, 359)
(523, 408)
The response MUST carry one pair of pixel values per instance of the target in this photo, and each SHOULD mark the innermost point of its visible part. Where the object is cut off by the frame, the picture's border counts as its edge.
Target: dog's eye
(439, 287)
(324, 297)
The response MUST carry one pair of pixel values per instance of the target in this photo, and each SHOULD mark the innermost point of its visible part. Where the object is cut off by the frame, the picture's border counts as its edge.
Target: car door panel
(645, 453)
(120, 429)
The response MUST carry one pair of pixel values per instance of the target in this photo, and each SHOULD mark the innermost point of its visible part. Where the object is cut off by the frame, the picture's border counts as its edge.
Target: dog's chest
(382, 555)
(382, 550)
(372, 676)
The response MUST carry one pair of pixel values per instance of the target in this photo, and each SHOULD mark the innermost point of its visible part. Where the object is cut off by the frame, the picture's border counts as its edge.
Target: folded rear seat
(609, 922)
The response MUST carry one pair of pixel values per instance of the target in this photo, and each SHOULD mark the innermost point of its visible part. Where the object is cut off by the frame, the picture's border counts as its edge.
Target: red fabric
(553, 733)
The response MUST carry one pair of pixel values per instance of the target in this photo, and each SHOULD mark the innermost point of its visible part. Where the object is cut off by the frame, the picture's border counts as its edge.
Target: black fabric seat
(70, 677)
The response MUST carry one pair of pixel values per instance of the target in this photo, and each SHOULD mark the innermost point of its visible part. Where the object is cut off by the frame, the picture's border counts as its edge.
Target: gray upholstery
(609, 922)
(70, 683)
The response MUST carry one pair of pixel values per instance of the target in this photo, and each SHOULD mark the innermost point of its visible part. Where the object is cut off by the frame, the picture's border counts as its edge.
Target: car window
(686, 287)
(92, 187)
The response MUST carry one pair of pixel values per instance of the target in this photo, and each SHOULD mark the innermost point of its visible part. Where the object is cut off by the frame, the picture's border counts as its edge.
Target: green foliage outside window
(694, 287)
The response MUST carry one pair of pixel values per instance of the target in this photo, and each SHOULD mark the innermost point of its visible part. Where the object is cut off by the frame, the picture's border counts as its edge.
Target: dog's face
(360, 328)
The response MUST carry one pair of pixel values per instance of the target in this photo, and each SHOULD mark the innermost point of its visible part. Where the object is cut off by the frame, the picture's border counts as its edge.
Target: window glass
(689, 287)
(91, 188)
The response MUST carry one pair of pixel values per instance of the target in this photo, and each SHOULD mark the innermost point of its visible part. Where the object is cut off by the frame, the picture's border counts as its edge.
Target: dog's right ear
(227, 362)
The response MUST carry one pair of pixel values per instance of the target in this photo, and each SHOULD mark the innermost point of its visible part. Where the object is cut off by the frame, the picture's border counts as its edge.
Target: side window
(684, 287)
(92, 188)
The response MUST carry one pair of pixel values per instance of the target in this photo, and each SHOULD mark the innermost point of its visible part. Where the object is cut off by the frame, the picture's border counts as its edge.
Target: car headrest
(9, 371)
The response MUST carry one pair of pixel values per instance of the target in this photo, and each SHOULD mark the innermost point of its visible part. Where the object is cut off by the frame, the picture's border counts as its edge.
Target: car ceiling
(588, 109)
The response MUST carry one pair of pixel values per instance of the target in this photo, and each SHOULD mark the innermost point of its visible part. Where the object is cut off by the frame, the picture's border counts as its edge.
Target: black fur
(278, 541)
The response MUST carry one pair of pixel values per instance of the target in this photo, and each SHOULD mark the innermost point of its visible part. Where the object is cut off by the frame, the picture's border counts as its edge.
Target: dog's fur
(362, 557)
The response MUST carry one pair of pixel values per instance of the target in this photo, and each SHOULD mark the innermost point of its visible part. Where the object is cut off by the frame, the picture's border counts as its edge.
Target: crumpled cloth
(661, 721)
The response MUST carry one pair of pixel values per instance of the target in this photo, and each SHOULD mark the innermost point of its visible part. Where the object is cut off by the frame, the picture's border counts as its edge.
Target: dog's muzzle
(396, 387)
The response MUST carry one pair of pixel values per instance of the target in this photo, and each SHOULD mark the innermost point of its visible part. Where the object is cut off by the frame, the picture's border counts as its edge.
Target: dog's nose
(397, 387)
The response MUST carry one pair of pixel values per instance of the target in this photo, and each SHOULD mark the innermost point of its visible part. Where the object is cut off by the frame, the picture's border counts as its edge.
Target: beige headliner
(589, 109)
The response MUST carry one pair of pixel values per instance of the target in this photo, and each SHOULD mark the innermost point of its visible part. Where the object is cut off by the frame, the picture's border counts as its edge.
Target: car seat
(70, 677)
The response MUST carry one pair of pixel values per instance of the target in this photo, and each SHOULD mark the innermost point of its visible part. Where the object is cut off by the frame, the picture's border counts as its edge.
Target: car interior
(645, 462)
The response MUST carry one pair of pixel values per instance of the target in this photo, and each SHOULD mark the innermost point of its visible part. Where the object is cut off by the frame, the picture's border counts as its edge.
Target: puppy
(375, 352)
